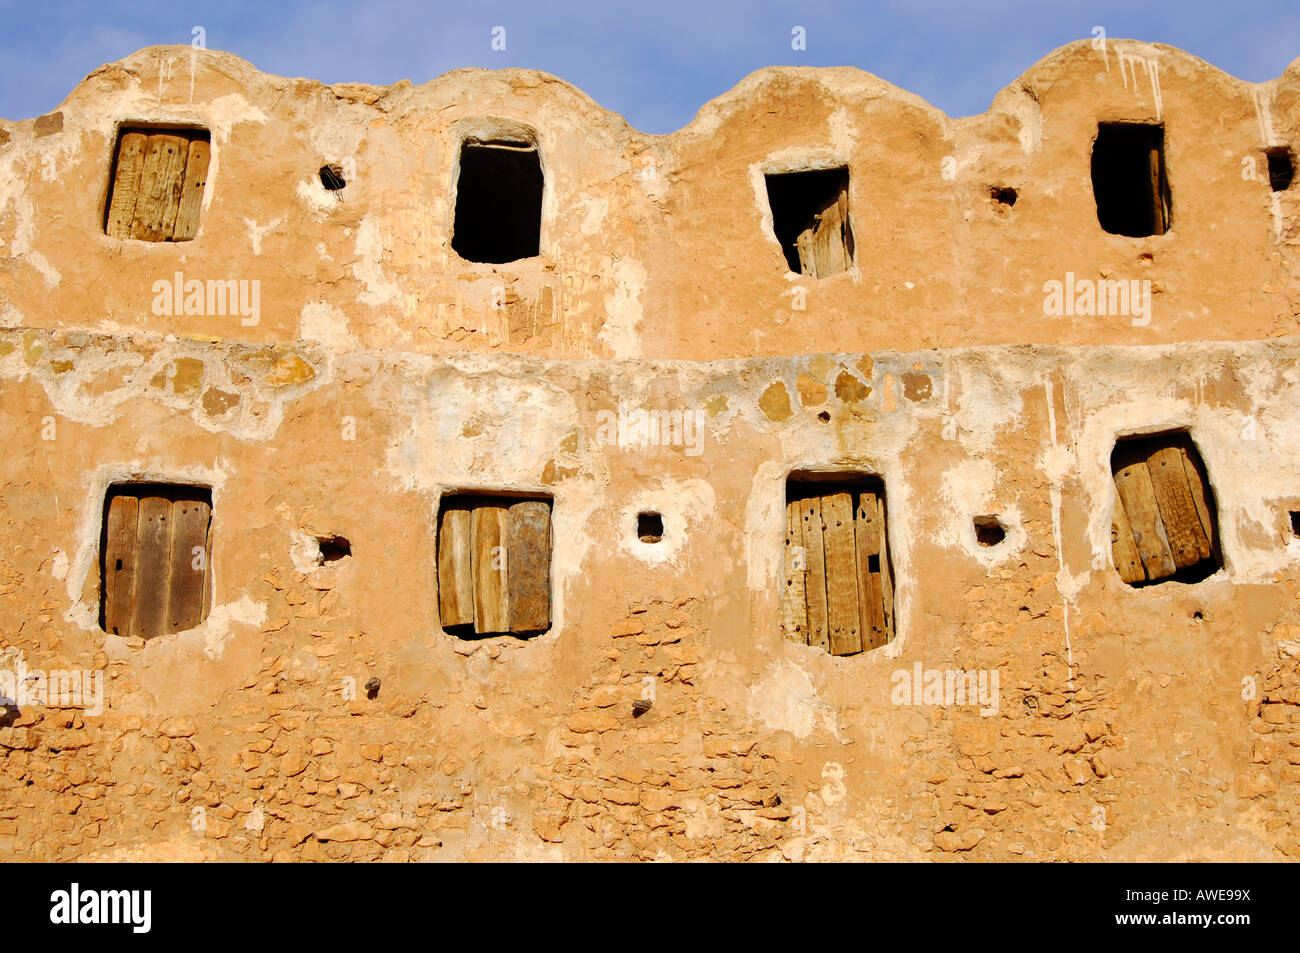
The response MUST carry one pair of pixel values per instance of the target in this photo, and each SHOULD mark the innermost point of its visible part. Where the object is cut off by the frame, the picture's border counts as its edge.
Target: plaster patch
(785, 699)
(321, 321)
(624, 311)
(257, 232)
(969, 489)
(687, 508)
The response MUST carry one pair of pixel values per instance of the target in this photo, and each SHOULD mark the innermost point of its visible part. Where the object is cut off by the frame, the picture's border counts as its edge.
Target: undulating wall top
(338, 208)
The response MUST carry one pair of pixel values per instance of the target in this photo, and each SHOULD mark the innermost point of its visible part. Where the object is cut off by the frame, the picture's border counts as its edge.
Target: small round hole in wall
(650, 527)
(824, 417)
(1003, 195)
(333, 548)
(331, 176)
(989, 531)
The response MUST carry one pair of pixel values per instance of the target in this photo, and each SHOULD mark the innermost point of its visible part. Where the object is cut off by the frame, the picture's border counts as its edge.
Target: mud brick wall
(321, 711)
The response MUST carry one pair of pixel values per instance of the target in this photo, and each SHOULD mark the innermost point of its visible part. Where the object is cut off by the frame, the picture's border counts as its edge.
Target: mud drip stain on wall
(421, 472)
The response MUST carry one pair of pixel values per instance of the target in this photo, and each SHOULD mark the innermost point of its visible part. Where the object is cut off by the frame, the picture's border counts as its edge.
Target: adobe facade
(322, 711)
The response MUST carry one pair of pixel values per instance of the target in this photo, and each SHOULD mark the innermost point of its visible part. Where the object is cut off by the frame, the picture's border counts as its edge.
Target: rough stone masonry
(345, 331)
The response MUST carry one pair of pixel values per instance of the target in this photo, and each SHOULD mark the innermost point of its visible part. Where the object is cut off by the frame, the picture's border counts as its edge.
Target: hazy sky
(655, 61)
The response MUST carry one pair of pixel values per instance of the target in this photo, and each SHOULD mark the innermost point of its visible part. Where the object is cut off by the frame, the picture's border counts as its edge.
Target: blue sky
(655, 61)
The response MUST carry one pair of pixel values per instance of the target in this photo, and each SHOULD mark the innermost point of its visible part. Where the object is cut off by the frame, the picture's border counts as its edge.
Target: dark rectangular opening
(810, 217)
(1129, 180)
(650, 527)
(1281, 167)
(155, 558)
(498, 202)
(333, 548)
(989, 530)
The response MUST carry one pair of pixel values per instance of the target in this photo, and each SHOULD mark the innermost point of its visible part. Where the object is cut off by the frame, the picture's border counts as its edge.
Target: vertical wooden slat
(189, 531)
(843, 614)
(1198, 485)
(794, 600)
(191, 199)
(886, 576)
(161, 182)
(846, 233)
(869, 532)
(207, 575)
(152, 567)
(1157, 195)
(455, 567)
(804, 245)
(1138, 497)
(1122, 547)
(810, 514)
(1187, 540)
(528, 562)
(126, 184)
(119, 564)
(830, 239)
(490, 563)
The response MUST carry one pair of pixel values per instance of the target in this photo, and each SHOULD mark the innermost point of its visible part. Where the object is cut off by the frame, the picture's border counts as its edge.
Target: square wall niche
(494, 565)
(156, 184)
(838, 593)
(810, 216)
(155, 559)
(1165, 523)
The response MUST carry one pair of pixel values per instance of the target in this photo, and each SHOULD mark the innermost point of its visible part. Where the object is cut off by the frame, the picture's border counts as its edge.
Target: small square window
(650, 527)
(810, 216)
(1129, 180)
(1164, 524)
(498, 202)
(989, 531)
(494, 565)
(839, 593)
(155, 570)
(156, 184)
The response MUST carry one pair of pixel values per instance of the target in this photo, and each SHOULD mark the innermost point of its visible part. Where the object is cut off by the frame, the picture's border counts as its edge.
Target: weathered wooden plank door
(161, 183)
(1163, 521)
(157, 561)
(838, 595)
(158, 184)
